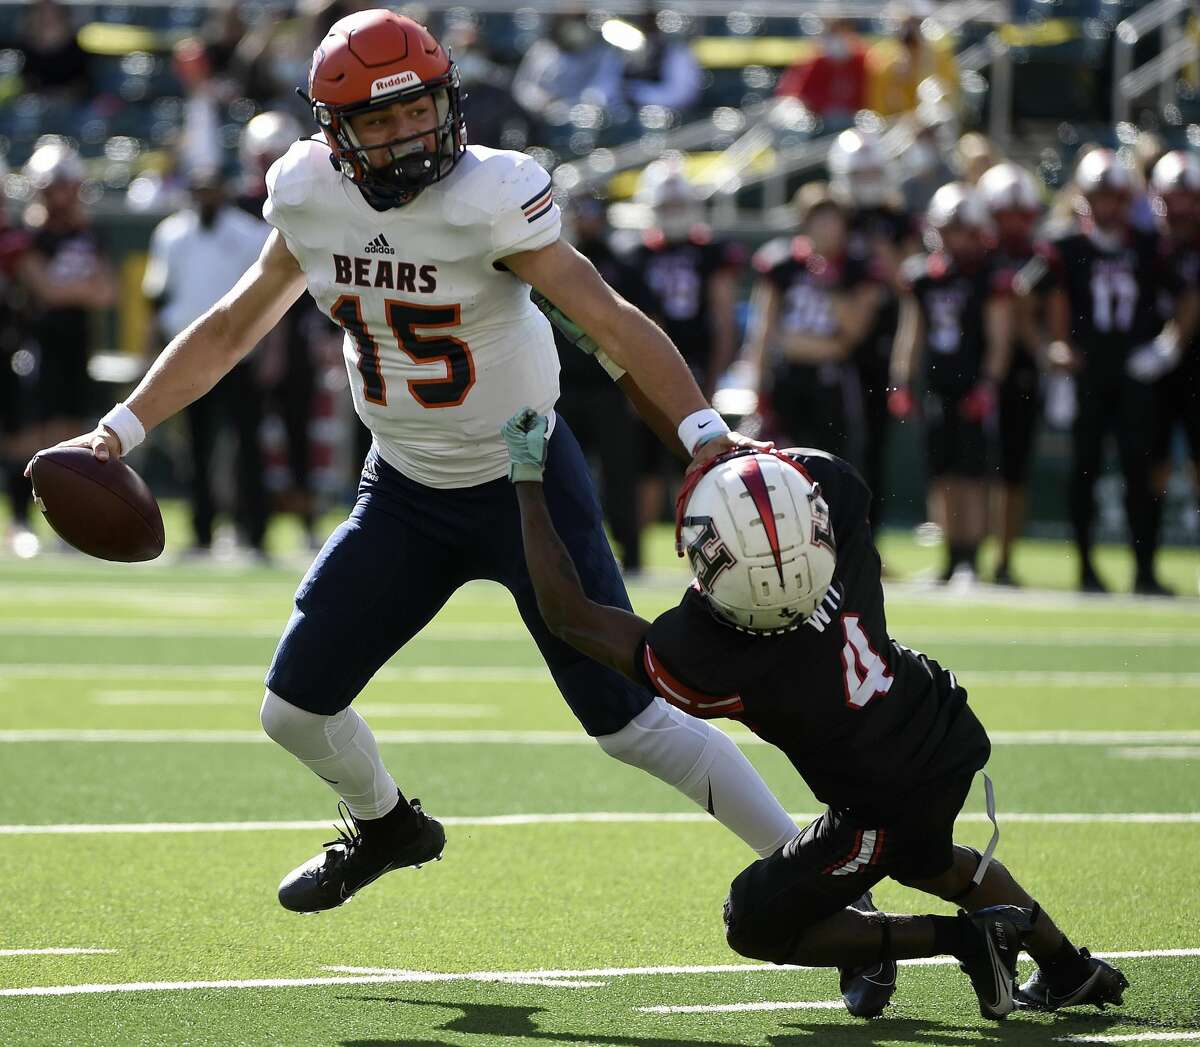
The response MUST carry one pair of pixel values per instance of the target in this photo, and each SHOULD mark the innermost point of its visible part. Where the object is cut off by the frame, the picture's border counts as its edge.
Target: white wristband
(126, 425)
(699, 427)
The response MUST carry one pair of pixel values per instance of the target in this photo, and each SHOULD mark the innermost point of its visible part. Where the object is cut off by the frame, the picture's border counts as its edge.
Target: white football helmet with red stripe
(756, 531)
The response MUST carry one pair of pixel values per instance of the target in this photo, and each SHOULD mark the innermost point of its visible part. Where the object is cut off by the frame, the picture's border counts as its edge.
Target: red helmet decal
(756, 484)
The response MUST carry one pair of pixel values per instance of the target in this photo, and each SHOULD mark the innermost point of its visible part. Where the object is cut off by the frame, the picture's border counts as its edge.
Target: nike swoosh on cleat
(324, 779)
(997, 966)
(710, 808)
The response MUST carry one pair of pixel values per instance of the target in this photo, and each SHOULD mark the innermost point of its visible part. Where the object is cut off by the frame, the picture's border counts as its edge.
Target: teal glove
(569, 329)
(525, 436)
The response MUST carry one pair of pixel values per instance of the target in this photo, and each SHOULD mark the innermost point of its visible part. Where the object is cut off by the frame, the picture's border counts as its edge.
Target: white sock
(705, 765)
(339, 749)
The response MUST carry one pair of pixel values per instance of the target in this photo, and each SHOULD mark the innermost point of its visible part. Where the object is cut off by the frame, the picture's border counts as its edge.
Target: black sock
(1065, 970)
(398, 826)
(955, 936)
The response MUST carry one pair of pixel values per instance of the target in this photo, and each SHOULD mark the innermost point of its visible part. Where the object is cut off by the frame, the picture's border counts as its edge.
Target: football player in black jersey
(956, 315)
(1104, 284)
(1175, 188)
(813, 303)
(1010, 194)
(882, 235)
(784, 629)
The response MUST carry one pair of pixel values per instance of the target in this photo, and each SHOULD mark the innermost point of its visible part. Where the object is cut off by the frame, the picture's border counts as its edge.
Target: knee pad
(309, 736)
(661, 739)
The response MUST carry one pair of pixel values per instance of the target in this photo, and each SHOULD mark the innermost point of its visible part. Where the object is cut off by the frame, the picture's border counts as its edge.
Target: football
(103, 509)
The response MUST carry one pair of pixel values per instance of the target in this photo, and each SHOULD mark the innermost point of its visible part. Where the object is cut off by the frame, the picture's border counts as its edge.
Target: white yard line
(105, 735)
(1165, 752)
(1133, 1037)
(731, 1008)
(572, 818)
(57, 952)
(384, 976)
(254, 671)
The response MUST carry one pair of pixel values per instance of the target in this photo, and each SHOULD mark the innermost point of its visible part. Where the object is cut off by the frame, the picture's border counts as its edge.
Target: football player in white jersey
(424, 250)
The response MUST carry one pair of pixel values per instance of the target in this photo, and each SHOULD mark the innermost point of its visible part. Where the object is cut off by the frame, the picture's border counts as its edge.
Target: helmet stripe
(751, 473)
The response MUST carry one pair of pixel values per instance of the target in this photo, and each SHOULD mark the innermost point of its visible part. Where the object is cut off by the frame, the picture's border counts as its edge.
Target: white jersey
(442, 348)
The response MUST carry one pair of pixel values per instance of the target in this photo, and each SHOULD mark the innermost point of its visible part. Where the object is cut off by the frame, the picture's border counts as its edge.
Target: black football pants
(1116, 404)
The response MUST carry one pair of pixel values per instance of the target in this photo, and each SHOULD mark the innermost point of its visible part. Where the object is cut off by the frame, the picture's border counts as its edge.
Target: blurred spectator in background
(68, 278)
(196, 255)
(16, 368)
(491, 112)
(973, 154)
(662, 70)
(832, 84)
(955, 328)
(598, 411)
(881, 236)
(570, 65)
(1175, 189)
(55, 64)
(896, 65)
(693, 278)
(1013, 201)
(924, 165)
(813, 303)
(290, 355)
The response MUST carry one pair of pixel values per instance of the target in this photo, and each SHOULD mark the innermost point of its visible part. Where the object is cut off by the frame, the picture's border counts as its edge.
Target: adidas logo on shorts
(379, 246)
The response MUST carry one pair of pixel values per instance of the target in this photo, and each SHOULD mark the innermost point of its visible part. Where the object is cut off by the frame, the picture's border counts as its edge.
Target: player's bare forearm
(630, 338)
(658, 423)
(998, 320)
(197, 358)
(610, 635)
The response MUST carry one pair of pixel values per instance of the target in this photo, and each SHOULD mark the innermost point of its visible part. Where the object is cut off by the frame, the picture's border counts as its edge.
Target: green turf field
(146, 823)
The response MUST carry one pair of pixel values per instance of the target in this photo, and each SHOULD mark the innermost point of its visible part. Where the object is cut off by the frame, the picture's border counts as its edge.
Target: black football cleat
(866, 991)
(1103, 985)
(1004, 576)
(351, 862)
(1149, 585)
(1090, 582)
(993, 967)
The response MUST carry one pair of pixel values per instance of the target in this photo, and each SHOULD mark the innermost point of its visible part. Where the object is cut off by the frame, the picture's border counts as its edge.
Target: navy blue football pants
(386, 571)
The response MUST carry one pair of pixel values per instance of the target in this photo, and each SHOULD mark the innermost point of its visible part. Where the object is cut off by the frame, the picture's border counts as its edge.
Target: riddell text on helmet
(384, 84)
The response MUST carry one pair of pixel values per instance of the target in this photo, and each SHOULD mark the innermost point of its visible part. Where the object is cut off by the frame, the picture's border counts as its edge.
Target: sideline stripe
(389, 976)
(573, 818)
(728, 1008)
(57, 952)
(104, 735)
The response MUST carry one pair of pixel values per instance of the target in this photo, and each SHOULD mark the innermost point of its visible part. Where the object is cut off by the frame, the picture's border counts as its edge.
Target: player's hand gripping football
(525, 436)
(102, 442)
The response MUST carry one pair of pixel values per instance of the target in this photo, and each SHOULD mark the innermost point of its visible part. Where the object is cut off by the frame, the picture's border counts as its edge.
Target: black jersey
(1009, 259)
(73, 255)
(807, 283)
(1113, 294)
(871, 227)
(862, 718)
(953, 303)
(678, 274)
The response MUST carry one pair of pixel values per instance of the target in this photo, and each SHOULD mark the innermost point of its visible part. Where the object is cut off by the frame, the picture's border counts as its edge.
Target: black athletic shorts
(953, 445)
(63, 388)
(836, 859)
(1020, 408)
(1177, 403)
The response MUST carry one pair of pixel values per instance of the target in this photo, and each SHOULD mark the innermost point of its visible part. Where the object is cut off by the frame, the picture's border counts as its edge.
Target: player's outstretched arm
(610, 635)
(202, 354)
(630, 340)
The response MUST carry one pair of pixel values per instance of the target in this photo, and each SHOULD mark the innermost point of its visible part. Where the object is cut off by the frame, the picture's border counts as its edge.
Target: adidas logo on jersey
(379, 246)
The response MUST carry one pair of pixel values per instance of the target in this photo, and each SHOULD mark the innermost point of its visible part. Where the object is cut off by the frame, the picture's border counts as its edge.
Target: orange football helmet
(371, 60)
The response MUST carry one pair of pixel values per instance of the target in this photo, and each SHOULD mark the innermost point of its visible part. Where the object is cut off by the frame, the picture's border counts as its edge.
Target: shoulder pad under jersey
(516, 191)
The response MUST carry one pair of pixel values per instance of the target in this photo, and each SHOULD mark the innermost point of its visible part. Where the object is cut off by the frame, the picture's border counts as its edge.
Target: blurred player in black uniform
(67, 276)
(16, 367)
(784, 629)
(1010, 194)
(956, 315)
(882, 236)
(1104, 285)
(599, 412)
(813, 303)
(692, 278)
(290, 359)
(1175, 188)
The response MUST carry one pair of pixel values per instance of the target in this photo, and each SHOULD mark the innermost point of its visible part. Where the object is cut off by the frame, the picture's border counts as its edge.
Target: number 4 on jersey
(866, 674)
